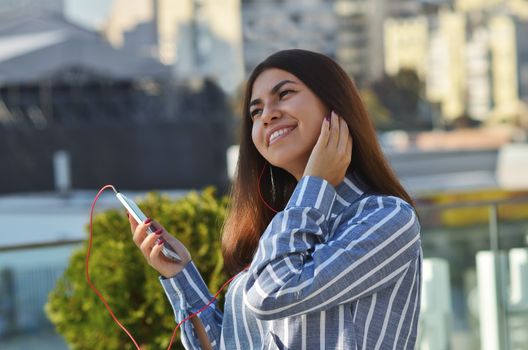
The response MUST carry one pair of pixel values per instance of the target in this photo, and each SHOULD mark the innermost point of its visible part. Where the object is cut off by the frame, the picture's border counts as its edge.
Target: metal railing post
(500, 280)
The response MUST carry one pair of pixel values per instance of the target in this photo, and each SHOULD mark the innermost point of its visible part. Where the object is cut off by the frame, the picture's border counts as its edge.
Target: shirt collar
(348, 191)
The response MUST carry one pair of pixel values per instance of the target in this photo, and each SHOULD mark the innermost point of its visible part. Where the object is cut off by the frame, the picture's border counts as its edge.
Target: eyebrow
(273, 91)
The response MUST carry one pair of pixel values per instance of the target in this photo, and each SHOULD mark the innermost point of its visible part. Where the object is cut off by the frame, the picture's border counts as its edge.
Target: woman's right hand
(332, 153)
(151, 249)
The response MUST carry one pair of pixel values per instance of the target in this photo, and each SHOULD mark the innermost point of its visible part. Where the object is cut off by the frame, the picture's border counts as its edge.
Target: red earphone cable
(202, 309)
(87, 273)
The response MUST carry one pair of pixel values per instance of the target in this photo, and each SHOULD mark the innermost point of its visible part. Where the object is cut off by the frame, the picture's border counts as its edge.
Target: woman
(324, 238)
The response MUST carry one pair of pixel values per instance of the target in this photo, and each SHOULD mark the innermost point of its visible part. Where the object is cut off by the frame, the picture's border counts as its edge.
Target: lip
(279, 127)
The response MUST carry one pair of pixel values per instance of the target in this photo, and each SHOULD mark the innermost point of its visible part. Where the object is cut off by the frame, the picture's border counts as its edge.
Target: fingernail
(148, 221)
(160, 241)
(328, 118)
(158, 231)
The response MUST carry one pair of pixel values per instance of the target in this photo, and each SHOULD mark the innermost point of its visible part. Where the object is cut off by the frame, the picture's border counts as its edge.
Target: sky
(90, 14)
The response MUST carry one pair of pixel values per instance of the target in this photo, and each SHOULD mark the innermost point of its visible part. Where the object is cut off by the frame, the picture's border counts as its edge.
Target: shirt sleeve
(302, 265)
(188, 293)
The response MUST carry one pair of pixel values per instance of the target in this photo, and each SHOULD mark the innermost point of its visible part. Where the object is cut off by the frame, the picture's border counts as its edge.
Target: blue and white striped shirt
(338, 268)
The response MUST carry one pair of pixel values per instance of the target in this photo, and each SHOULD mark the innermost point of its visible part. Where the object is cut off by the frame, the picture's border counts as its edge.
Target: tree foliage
(381, 117)
(129, 285)
(402, 96)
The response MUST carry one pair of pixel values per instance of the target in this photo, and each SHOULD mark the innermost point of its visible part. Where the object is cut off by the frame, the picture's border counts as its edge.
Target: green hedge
(127, 282)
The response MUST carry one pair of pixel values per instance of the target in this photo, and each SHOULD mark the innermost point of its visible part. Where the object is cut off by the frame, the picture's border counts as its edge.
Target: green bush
(129, 285)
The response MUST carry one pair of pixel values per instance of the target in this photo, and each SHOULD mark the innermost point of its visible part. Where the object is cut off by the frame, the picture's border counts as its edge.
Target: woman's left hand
(332, 153)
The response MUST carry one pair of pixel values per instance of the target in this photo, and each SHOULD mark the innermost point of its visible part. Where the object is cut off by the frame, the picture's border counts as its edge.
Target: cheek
(316, 131)
(312, 132)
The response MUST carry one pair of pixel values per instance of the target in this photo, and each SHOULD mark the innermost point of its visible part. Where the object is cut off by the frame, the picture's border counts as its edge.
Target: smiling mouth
(280, 134)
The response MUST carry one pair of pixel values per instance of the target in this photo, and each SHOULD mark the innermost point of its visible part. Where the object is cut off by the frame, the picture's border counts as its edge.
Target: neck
(296, 169)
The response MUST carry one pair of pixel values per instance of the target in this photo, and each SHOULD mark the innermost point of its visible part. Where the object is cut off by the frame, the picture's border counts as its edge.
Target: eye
(284, 93)
(254, 113)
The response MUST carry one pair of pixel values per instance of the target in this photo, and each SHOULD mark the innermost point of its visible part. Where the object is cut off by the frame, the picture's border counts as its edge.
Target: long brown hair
(249, 216)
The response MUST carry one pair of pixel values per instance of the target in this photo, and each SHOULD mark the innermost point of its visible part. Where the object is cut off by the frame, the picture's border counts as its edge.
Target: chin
(280, 158)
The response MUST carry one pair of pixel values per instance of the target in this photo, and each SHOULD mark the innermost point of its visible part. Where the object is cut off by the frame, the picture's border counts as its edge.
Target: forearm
(203, 339)
(188, 293)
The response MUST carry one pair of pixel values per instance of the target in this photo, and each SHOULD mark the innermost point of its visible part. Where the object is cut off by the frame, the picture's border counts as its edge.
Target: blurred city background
(145, 94)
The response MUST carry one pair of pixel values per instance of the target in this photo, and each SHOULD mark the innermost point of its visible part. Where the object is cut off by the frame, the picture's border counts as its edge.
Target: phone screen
(139, 216)
(132, 208)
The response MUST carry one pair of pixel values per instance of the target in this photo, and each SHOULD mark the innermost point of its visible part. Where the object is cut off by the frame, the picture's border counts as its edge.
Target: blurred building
(270, 26)
(37, 47)
(509, 50)
(519, 7)
(434, 47)
(475, 58)
(354, 38)
(63, 87)
(198, 38)
(472, 5)
(350, 31)
(479, 94)
(131, 26)
(360, 44)
(412, 34)
(29, 7)
(446, 83)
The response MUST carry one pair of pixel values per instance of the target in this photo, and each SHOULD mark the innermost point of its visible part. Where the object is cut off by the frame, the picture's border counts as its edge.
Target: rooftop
(36, 47)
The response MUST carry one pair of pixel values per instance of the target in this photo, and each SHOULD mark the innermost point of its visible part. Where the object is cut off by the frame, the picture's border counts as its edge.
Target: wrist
(173, 272)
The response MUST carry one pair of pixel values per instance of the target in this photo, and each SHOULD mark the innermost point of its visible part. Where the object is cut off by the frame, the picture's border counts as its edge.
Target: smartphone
(140, 217)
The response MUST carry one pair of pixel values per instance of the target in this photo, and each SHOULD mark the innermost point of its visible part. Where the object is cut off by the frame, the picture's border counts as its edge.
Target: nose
(269, 114)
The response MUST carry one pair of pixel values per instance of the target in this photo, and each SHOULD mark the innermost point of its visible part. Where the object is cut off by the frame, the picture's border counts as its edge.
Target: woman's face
(287, 118)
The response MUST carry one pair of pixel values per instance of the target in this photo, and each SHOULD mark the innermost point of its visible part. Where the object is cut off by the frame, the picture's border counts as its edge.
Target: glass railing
(475, 280)
(27, 274)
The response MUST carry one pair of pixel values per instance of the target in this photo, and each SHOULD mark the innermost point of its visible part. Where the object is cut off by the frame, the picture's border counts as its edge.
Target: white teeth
(278, 133)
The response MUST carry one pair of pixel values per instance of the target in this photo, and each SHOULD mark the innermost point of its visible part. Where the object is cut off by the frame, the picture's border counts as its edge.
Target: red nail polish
(160, 241)
(158, 231)
(148, 221)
